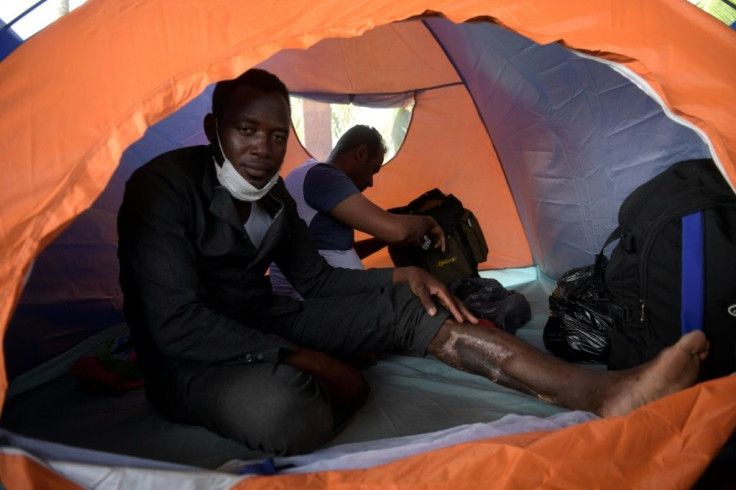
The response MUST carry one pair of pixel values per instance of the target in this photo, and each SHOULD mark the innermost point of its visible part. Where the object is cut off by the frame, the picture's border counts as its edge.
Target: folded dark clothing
(488, 299)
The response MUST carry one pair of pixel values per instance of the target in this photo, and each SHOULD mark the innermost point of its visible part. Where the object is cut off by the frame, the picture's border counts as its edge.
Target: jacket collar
(222, 206)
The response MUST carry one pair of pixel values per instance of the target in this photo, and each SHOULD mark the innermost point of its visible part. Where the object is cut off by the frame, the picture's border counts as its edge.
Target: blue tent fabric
(9, 40)
(554, 115)
(77, 295)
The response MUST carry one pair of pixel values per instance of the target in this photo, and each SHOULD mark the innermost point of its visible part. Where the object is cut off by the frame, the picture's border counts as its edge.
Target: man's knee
(287, 413)
(415, 329)
(292, 422)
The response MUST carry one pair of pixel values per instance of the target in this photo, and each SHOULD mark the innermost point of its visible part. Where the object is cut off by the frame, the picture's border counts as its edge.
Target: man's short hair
(360, 135)
(256, 78)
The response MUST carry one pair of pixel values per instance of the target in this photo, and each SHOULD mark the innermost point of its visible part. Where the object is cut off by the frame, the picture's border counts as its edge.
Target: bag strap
(615, 235)
(692, 304)
(468, 251)
(416, 204)
(601, 261)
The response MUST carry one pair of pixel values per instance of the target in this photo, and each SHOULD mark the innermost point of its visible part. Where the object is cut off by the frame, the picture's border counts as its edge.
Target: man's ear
(210, 127)
(361, 153)
(210, 130)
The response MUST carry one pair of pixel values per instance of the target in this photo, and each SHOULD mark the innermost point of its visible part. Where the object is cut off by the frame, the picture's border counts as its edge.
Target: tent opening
(318, 124)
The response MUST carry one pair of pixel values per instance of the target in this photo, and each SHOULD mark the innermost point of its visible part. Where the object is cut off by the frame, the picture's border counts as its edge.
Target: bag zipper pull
(643, 304)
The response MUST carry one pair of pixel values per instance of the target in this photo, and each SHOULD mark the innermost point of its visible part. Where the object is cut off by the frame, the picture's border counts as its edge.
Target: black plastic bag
(487, 298)
(580, 317)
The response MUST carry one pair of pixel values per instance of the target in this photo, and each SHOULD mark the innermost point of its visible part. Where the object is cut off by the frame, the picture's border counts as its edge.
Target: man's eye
(246, 130)
(279, 138)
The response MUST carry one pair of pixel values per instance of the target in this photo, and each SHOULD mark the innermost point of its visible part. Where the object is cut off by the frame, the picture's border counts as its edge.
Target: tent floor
(409, 396)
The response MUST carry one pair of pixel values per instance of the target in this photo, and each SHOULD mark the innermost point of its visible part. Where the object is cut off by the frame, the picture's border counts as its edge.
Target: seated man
(198, 228)
(329, 199)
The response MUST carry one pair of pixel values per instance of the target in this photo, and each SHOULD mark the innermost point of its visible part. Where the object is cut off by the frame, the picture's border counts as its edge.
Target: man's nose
(260, 145)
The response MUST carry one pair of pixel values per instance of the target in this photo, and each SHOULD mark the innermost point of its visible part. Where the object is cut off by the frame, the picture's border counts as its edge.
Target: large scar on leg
(486, 357)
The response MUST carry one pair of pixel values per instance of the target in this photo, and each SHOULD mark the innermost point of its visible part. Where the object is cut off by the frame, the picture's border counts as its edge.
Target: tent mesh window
(319, 125)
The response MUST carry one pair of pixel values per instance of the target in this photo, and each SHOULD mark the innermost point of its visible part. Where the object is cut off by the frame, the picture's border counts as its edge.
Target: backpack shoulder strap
(600, 259)
(692, 305)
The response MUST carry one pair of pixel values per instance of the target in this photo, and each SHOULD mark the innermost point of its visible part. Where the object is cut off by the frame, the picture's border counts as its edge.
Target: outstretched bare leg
(503, 358)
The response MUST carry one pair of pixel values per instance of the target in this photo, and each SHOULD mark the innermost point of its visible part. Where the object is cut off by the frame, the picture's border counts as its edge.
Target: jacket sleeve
(165, 299)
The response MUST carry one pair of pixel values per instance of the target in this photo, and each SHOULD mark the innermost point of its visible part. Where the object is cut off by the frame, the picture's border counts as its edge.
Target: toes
(694, 342)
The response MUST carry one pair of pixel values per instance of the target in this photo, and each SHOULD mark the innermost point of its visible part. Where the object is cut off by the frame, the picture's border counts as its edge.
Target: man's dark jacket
(195, 290)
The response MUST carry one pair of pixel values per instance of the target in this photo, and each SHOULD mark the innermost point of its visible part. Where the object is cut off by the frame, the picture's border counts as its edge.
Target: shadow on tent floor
(126, 424)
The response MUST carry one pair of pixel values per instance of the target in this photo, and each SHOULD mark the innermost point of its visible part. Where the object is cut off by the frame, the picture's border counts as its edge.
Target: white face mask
(235, 183)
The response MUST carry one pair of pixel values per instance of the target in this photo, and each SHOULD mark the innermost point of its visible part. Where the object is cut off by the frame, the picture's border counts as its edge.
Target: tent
(542, 117)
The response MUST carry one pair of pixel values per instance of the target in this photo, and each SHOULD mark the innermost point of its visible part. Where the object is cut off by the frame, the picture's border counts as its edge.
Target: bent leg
(505, 359)
(273, 408)
(390, 319)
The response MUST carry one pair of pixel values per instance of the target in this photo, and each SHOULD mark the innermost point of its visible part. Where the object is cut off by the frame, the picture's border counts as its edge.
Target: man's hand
(346, 384)
(436, 235)
(426, 287)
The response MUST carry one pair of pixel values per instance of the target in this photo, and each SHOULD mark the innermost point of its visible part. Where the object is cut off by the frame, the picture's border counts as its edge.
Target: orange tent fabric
(682, 432)
(77, 94)
(666, 444)
(364, 69)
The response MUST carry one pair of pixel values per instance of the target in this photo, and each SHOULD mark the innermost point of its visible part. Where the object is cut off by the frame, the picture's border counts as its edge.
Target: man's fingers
(426, 298)
(449, 302)
(439, 240)
(467, 314)
(459, 311)
(442, 243)
(427, 288)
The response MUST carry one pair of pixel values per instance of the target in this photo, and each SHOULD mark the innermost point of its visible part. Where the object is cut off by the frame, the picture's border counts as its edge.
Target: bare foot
(674, 369)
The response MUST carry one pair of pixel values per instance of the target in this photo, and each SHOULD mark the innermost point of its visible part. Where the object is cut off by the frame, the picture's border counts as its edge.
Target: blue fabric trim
(693, 281)
(265, 467)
